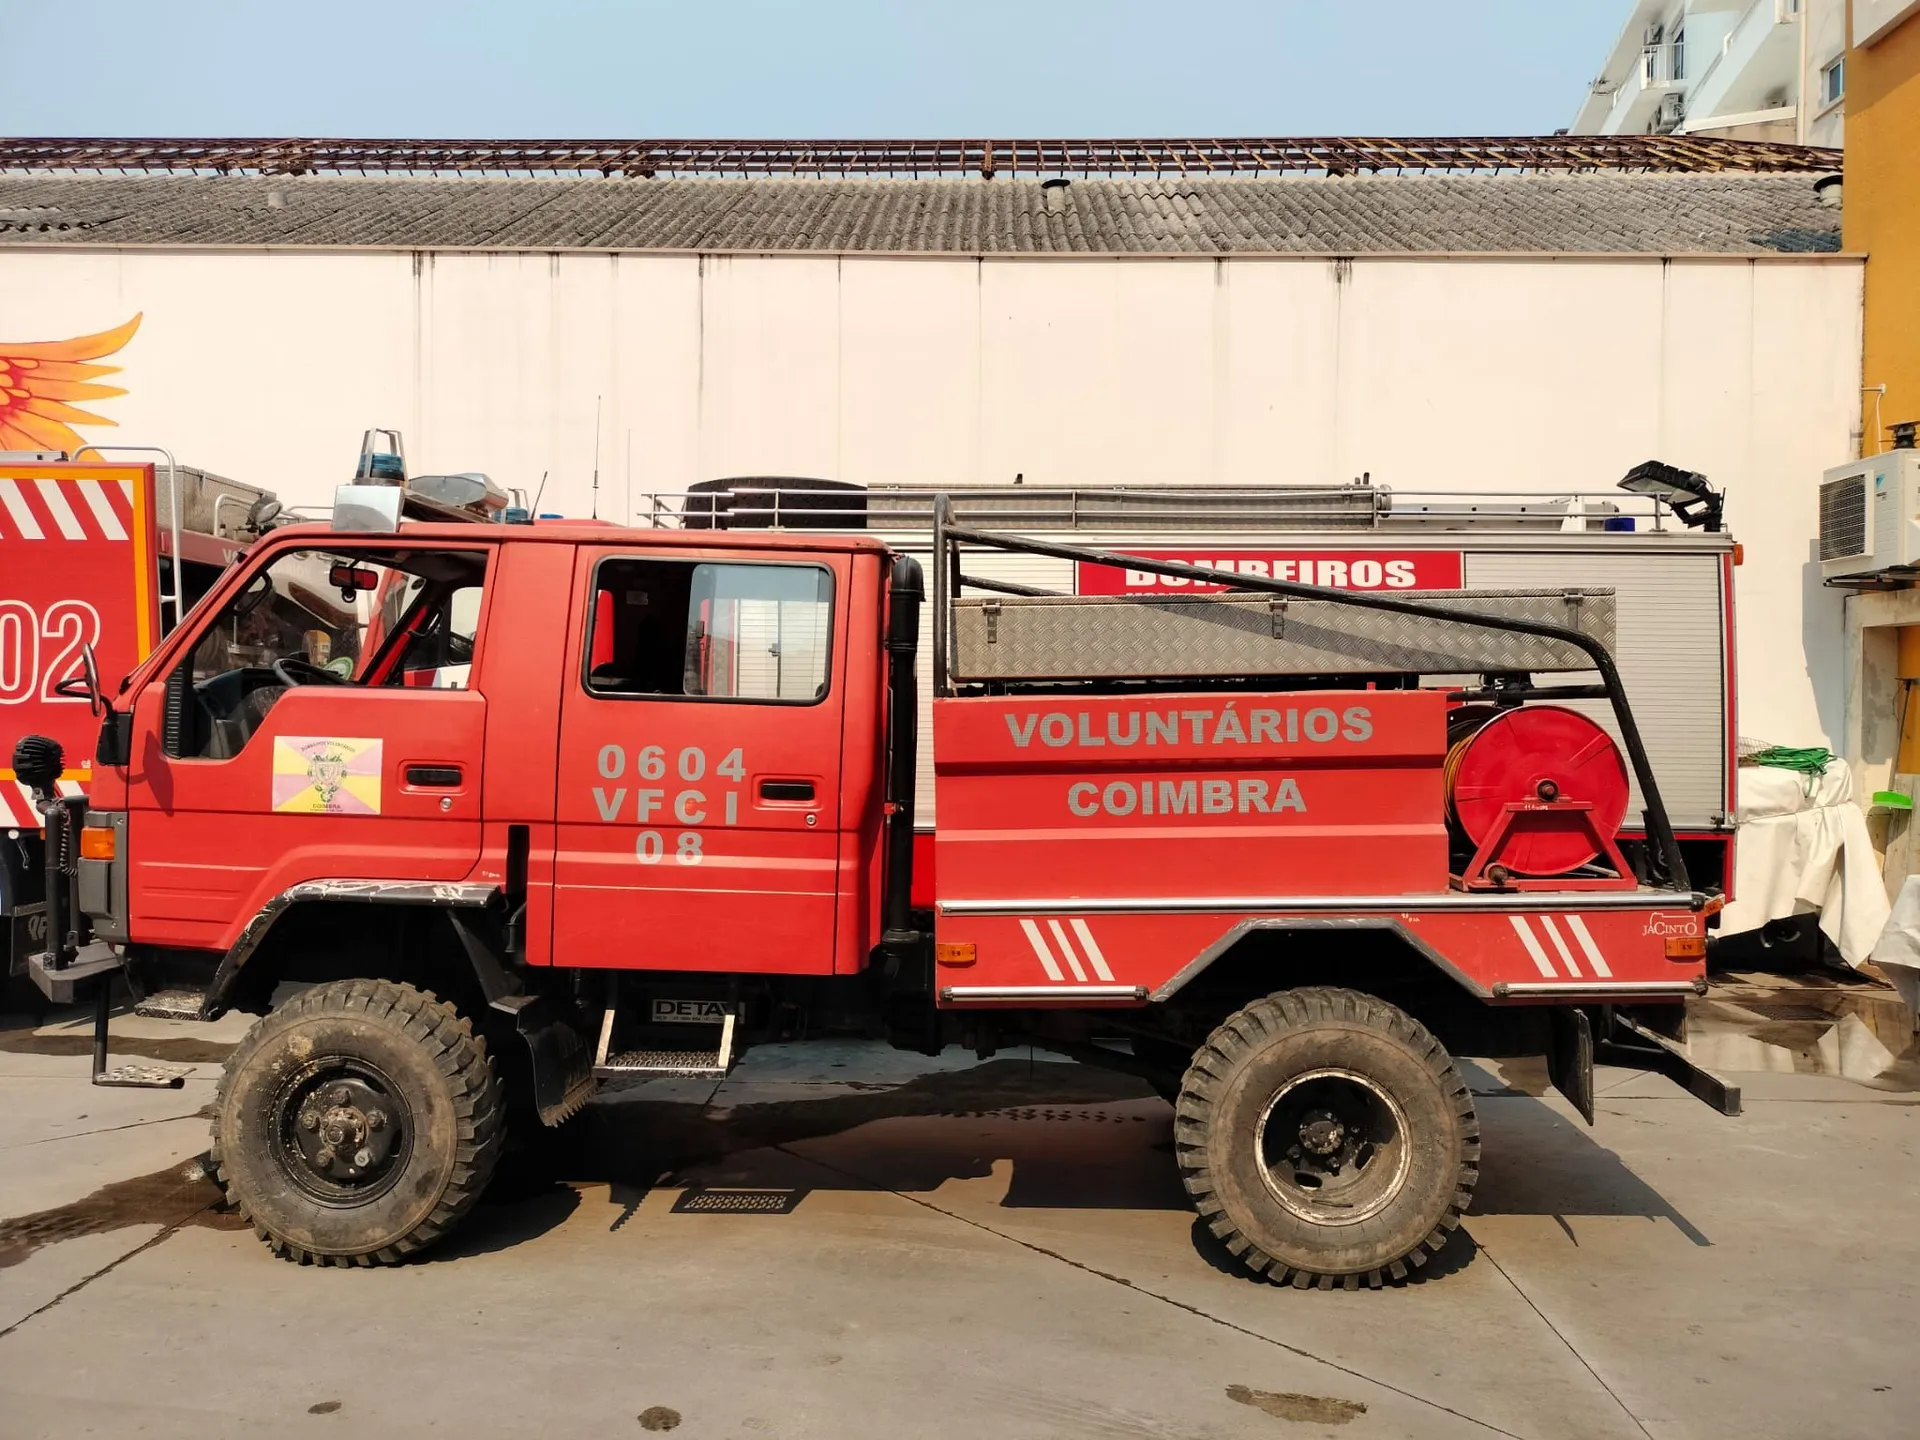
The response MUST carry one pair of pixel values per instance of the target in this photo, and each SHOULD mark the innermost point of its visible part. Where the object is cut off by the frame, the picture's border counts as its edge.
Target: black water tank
(759, 502)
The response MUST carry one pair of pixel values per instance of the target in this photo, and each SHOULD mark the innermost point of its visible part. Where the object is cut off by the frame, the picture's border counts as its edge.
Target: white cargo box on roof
(1671, 586)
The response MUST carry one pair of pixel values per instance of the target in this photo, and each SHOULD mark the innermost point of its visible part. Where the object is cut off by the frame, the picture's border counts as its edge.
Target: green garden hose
(1811, 760)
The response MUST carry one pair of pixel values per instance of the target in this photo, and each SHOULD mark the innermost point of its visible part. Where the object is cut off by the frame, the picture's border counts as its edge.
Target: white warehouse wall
(1430, 373)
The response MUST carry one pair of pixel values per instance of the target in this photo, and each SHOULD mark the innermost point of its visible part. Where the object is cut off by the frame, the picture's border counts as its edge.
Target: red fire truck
(506, 808)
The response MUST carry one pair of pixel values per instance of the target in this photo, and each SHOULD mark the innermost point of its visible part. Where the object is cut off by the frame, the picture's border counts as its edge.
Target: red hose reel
(1538, 793)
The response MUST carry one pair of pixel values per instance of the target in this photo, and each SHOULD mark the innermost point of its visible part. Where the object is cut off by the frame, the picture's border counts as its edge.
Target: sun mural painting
(39, 380)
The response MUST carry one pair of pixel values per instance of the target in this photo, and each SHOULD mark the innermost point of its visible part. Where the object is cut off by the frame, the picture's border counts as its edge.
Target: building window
(1833, 81)
(1680, 53)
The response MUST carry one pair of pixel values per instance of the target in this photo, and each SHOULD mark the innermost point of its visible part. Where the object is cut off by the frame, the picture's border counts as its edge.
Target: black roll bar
(947, 580)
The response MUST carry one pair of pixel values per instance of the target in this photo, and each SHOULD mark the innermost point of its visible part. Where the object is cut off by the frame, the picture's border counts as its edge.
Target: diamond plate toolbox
(1115, 637)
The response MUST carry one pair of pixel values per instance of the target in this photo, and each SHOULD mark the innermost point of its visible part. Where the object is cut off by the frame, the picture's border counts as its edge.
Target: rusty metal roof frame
(644, 159)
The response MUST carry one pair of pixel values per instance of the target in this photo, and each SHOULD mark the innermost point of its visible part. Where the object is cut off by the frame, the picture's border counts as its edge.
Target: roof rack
(646, 159)
(753, 503)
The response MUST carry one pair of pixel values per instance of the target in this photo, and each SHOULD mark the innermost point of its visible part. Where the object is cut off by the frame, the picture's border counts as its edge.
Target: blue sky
(590, 68)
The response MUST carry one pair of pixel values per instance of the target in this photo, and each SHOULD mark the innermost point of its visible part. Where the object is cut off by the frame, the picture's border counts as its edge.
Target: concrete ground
(841, 1241)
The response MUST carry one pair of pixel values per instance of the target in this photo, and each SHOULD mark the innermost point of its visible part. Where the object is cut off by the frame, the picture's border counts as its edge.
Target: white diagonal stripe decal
(55, 499)
(1560, 946)
(1066, 949)
(1040, 948)
(1525, 932)
(1588, 948)
(103, 511)
(23, 518)
(1094, 957)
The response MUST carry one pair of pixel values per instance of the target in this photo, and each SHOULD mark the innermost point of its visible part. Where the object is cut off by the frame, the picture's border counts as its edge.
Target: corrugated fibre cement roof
(1600, 213)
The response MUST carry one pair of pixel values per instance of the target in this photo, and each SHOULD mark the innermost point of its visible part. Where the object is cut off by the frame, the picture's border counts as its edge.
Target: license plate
(689, 1012)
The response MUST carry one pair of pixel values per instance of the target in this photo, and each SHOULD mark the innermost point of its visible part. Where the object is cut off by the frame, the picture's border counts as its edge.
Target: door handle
(786, 790)
(439, 777)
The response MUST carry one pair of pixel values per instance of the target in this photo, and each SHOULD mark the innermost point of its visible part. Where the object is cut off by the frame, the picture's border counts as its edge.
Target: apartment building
(1741, 69)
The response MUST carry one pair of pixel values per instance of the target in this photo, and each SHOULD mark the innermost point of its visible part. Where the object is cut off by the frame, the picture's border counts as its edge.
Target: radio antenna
(538, 493)
(596, 457)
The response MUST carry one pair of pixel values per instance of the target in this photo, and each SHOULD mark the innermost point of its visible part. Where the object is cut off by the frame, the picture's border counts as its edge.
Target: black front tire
(1327, 1070)
(357, 1124)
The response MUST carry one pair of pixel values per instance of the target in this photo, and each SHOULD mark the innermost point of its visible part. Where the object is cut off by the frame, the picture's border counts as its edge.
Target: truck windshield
(333, 617)
(347, 614)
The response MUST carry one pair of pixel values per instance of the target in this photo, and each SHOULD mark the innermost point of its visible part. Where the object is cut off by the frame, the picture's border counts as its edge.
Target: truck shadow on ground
(1038, 1134)
(1054, 1135)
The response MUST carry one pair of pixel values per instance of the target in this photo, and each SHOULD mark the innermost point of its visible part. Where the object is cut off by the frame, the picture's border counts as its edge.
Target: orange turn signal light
(96, 843)
(955, 953)
(1686, 947)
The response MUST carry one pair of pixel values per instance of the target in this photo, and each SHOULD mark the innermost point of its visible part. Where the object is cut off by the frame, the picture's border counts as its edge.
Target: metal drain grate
(730, 1201)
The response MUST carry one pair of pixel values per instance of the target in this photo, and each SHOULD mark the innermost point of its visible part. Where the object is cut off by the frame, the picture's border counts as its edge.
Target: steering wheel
(294, 671)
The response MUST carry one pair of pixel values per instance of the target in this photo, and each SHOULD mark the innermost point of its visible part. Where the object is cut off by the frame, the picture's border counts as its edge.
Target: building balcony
(1756, 69)
(1637, 103)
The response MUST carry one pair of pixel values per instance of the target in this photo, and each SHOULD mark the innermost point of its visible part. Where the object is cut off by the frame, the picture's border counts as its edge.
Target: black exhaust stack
(905, 589)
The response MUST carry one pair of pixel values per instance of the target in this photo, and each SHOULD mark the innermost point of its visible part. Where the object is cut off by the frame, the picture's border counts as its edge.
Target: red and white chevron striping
(65, 509)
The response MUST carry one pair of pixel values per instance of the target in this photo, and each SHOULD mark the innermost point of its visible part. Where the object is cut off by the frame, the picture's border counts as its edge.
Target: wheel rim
(344, 1130)
(1333, 1147)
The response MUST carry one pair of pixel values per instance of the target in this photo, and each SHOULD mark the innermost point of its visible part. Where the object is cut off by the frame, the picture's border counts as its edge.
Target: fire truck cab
(476, 814)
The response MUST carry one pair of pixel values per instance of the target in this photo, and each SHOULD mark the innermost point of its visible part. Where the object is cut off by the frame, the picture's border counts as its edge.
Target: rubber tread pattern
(1245, 1031)
(460, 1056)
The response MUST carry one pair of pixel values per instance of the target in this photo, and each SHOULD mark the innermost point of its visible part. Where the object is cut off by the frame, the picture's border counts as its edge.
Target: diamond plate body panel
(1099, 637)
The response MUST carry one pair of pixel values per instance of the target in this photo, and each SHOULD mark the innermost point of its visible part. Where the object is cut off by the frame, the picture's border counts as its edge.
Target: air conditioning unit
(1870, 517)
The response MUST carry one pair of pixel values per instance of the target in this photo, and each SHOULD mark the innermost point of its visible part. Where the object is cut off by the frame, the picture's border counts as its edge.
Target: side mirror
(115, 747)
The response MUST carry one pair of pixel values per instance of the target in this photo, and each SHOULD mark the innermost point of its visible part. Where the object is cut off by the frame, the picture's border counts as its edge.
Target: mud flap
(562, 1061)
(1570, 1057)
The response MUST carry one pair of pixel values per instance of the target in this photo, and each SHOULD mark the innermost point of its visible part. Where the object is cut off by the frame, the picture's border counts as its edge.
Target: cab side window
(704, 630)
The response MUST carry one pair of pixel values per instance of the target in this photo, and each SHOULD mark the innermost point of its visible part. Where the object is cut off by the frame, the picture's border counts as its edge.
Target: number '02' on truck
(514, 807)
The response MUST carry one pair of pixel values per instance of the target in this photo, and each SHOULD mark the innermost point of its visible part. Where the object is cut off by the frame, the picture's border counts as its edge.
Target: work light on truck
(1685, 492)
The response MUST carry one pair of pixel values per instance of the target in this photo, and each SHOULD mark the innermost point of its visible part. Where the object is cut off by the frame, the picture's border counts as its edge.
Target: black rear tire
(357, 1124)
(1327, 1139)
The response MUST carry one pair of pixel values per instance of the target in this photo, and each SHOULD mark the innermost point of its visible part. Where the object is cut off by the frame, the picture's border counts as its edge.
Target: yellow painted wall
(1882, 220)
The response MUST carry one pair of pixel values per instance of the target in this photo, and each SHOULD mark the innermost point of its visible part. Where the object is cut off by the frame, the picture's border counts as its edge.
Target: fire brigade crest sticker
(326, 775)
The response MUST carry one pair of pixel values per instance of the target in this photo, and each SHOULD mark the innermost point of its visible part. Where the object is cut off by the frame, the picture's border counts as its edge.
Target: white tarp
(1898, 953)
(1803, 848)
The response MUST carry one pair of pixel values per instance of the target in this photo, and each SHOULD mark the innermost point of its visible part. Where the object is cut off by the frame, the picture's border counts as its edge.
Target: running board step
(690, 1064)
(143, 1077)
(171, 1005)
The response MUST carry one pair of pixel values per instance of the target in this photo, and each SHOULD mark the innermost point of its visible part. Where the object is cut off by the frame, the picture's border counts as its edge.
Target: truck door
(317, 726)
(698, 810)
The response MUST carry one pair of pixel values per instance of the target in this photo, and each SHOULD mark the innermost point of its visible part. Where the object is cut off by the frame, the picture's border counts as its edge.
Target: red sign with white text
(1386, 570)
